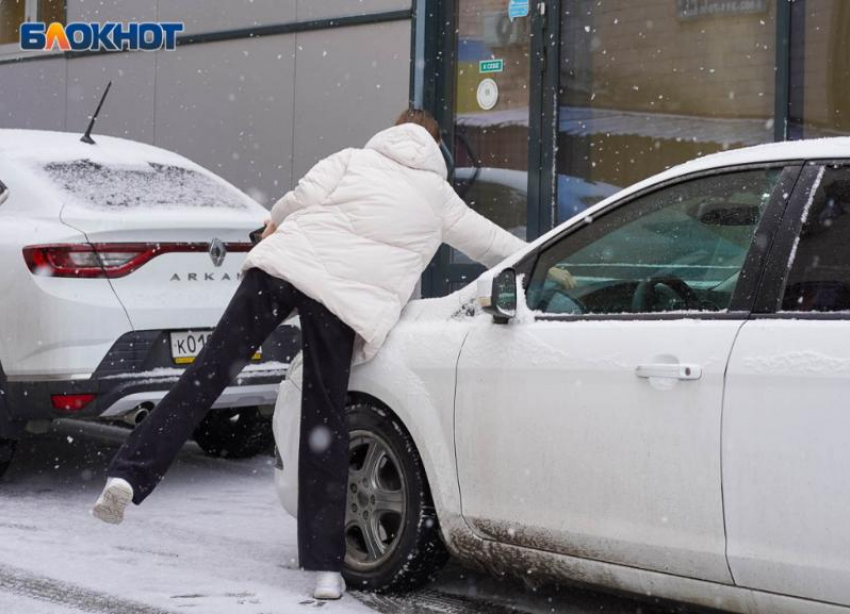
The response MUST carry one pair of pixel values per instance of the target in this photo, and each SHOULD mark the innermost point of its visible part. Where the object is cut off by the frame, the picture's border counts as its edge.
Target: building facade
(552, 105)
(257, 90)
(547, 106)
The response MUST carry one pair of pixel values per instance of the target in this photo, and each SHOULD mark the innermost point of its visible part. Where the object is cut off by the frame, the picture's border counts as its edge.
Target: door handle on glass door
(669, 371)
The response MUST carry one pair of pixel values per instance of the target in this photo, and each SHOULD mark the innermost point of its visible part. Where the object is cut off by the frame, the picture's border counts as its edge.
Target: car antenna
(87, 136)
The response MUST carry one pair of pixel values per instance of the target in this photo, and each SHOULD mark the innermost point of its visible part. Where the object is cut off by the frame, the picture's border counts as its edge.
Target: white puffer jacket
(359, 229)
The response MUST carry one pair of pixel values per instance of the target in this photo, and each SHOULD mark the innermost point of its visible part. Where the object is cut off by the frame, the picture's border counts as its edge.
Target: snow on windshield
(153, 186)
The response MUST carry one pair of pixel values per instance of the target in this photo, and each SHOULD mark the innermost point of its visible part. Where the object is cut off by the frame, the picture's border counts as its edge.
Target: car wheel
(393, 540)
(235, 433)
(7, 451)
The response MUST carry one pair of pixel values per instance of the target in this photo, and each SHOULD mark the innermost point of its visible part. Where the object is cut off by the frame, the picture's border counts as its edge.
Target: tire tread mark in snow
(432, 602)
(26, 584)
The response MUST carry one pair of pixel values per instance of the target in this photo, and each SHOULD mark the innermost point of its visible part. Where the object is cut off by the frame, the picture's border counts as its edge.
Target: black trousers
(260, 304)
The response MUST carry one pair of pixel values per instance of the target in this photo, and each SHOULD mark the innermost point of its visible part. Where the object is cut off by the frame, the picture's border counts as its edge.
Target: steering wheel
(646, 294)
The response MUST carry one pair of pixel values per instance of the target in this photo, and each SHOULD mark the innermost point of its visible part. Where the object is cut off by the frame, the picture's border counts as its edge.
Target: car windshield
(152, 186)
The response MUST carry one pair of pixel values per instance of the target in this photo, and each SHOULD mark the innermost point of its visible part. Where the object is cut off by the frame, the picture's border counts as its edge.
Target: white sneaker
(329, 585)
(116, 495)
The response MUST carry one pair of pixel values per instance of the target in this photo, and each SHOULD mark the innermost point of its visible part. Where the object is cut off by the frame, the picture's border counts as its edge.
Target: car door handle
(669, 371)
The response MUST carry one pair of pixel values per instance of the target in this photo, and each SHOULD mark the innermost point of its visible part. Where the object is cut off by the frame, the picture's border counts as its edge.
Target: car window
(819, 276)
(155, 186)
(678, 249)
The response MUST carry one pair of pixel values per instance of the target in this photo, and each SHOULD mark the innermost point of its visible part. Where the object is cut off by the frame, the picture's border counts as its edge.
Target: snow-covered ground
(212, 539)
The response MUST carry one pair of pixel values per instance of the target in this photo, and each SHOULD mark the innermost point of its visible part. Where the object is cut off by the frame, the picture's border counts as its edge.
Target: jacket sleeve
(314, 187)
(475, 235)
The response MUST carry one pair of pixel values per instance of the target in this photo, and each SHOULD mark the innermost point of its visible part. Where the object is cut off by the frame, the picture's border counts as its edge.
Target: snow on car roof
(808, 149)
(42, 146)
(831, 148)
(787, 151)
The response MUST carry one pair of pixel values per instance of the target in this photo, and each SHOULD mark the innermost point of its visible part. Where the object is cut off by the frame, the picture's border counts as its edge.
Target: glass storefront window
(15, 12)
(820, 43)
(647, 85)
(51, 10)
(492, 92)
(12, 15)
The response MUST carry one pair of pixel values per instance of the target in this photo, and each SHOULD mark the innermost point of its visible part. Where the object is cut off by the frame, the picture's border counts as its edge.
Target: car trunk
(188, 228)
(187, 284)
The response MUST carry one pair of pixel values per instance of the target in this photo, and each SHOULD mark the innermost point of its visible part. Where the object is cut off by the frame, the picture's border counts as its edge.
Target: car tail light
(71, 403)
(109, 260)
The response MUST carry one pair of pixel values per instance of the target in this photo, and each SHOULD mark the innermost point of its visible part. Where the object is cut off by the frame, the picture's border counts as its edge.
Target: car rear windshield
(152, 186)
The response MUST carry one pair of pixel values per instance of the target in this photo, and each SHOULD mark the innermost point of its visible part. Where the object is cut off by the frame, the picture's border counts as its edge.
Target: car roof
(809, 149)
(44, 147)
(833, 148)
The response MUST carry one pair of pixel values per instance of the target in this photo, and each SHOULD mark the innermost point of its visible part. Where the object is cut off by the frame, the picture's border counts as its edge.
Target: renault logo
(217, 252)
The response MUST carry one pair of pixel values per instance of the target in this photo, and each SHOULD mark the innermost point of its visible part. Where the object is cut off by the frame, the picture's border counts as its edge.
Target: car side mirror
(502, 300)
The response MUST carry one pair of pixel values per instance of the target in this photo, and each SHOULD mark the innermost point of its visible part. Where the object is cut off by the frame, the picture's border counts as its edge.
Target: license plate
(185, 346)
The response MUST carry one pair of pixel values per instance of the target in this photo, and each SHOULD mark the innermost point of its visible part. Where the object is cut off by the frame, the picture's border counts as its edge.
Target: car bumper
(138, 372)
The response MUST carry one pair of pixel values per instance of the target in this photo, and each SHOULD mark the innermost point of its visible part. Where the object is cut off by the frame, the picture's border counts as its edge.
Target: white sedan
(651, 400)
(116, 260)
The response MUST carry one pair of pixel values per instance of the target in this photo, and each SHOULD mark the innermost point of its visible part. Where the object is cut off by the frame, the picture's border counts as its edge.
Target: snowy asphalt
(212, 539)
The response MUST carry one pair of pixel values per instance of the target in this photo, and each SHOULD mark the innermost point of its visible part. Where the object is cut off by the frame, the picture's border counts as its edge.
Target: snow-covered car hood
(456, 306)
(443, 308)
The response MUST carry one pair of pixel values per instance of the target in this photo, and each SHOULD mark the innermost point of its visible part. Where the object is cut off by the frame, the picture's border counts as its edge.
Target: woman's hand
(562, 277)
(271, 228)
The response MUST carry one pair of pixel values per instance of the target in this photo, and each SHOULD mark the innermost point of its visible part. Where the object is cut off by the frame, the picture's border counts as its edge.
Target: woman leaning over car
(345, 249)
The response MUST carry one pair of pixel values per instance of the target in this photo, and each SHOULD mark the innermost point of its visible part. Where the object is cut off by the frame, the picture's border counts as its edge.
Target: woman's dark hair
(421, 118)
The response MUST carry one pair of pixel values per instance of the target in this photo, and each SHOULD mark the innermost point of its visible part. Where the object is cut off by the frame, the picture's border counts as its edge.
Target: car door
(787, 417)
(592, 428)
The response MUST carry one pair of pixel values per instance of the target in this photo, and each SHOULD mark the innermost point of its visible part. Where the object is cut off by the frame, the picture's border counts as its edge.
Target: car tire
(7, 452)
(413, 546)
(235, 433)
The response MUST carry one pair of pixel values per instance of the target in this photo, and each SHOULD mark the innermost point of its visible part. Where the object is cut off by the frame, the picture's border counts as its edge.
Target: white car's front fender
(414, 376)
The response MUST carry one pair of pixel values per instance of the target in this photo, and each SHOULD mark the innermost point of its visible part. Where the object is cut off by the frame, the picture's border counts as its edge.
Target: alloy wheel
(377, 502)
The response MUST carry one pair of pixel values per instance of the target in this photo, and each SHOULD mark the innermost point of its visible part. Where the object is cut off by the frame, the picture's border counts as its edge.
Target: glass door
(551, 105)
(645, 86)
(491, 90)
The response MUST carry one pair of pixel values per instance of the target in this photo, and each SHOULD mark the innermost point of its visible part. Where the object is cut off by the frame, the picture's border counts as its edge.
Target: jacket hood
(412, 146)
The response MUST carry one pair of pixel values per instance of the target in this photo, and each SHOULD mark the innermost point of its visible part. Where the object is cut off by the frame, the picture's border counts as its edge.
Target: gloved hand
(562, 277)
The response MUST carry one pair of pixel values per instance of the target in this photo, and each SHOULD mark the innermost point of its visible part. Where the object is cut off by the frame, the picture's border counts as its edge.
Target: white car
(116, 260)
(664, 412)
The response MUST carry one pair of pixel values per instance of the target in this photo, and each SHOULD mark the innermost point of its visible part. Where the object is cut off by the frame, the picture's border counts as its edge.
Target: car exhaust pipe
(135, 417)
